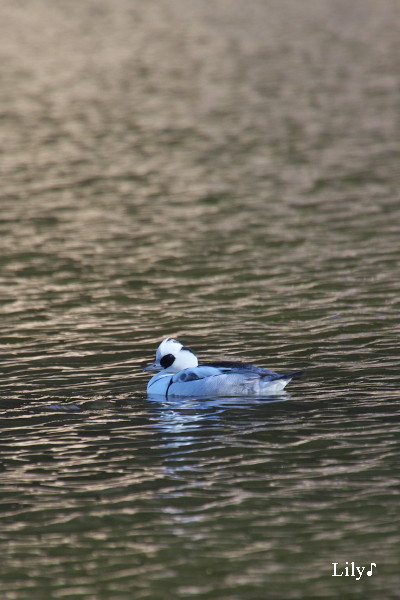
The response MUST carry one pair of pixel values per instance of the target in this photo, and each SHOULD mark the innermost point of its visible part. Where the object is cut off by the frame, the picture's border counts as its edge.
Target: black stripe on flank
(157, 380)
(169, 385)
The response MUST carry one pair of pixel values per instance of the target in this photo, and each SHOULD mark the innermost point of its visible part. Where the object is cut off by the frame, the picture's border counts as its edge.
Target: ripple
(234, 185)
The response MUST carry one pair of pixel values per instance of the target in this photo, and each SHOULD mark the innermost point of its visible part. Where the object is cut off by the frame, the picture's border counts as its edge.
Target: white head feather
(172, 356)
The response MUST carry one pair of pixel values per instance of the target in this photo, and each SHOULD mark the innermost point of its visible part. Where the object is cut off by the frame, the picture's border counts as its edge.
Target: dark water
(227, 174)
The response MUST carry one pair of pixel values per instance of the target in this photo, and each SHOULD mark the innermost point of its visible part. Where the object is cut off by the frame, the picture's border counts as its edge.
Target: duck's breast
(158, 384)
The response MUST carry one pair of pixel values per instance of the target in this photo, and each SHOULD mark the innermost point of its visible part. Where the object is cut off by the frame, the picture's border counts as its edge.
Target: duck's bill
(154, 367)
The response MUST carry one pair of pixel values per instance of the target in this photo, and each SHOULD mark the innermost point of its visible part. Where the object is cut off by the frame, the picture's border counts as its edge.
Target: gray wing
(195, 373)
(240, 368)
(229, 368)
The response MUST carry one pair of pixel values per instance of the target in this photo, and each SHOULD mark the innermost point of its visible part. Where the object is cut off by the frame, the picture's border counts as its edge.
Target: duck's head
(172, 356)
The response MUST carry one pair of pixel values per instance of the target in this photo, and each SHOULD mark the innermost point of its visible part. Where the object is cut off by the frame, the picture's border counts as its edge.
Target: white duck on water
(181, 375)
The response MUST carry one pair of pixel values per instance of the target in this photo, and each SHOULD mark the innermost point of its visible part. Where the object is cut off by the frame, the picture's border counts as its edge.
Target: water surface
(227, 176)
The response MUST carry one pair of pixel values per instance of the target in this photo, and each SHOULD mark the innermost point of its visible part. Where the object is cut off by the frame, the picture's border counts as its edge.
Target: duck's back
(226, 379)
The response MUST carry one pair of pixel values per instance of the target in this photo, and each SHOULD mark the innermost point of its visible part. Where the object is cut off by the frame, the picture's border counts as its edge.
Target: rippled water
(227, 175)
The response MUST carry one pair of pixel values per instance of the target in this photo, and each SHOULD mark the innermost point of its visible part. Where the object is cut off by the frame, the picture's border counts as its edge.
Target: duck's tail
(290, 376)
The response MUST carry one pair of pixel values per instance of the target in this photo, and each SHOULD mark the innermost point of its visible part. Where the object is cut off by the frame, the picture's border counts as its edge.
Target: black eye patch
(167, 360)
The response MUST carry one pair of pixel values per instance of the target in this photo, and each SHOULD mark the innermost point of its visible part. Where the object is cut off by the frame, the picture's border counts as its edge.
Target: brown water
(228, 175)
